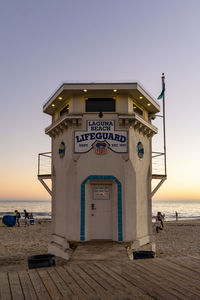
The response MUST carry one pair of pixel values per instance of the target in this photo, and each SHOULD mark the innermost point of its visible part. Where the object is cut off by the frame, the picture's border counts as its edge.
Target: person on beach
(32, 221)
(160, 218)
(158, 225)
(176, 215)
(18, 216)
(26, 217)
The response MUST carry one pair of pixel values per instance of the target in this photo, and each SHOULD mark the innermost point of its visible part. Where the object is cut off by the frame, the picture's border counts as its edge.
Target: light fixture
(115, 91)
(148, 104)
(53, 104)
(60, 98)
(85, 90)
(141, 97)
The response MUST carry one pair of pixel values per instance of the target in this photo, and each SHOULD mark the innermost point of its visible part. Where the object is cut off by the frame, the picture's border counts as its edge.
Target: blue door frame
(119, 204)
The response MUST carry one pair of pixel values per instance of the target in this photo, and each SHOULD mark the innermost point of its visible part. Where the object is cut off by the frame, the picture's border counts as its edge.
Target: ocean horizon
(187, 209)
(41, 209)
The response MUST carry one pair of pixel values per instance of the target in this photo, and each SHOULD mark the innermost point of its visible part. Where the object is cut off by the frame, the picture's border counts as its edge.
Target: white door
(101, 212)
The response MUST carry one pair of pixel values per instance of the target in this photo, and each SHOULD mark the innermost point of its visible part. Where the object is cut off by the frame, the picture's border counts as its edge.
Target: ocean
(187, 210)
(39, 209)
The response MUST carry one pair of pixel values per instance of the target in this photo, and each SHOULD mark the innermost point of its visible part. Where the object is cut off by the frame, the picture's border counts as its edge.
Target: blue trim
(119, 204)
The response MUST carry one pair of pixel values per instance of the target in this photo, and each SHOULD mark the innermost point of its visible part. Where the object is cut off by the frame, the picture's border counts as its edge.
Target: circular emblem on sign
(61, 150)
(100, 148)
(140, 150)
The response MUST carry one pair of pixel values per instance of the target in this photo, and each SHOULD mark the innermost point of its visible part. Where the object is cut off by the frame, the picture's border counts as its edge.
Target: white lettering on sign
(103, 131)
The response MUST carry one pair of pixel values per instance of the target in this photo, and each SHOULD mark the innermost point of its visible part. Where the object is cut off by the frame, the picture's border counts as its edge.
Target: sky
(47, 42)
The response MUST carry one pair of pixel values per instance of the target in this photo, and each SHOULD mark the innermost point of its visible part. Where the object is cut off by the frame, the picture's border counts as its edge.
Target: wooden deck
(171, 278)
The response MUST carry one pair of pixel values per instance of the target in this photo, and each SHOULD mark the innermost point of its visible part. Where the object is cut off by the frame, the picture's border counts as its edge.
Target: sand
(17, 243)
(179, 238)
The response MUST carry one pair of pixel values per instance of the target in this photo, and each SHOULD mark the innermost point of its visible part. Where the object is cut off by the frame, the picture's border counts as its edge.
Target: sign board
(101, 131)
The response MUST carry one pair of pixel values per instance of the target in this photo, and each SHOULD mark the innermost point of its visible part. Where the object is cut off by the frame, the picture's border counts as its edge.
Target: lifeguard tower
(101, 164)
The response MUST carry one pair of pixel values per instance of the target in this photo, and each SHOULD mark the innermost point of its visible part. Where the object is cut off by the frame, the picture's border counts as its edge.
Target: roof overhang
(132, 89)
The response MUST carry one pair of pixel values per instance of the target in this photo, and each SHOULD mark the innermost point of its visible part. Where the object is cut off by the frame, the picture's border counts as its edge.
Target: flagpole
(164, 131)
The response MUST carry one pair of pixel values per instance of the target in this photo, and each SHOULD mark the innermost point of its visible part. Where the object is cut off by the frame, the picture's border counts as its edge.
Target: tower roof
(133, 89)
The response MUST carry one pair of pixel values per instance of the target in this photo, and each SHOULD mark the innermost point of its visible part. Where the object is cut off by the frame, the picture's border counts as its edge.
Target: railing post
(39, 164)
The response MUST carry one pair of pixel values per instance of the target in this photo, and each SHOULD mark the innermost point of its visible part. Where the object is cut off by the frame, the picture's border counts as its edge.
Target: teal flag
(162, 93)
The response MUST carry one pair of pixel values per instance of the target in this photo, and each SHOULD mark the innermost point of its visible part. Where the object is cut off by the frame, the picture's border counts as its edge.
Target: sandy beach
(179, 238)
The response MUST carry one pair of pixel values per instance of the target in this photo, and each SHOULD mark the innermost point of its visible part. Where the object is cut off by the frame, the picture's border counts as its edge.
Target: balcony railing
(158, 164)
(44, 164)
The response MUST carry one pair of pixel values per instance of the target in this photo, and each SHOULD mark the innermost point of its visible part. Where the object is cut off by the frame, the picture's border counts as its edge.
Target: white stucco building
(101, 163)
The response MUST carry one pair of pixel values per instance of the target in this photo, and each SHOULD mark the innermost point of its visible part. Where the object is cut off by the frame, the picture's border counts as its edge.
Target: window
(101, 193)
(140, 150)
(100, 104)
(137, 110)
(64, 110)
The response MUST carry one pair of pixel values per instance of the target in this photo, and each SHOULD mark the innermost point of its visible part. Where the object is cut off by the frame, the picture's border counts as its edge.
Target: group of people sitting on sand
(28, 218)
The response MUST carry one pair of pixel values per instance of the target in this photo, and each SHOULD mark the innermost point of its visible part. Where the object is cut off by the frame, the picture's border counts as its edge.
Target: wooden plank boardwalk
(166, 278)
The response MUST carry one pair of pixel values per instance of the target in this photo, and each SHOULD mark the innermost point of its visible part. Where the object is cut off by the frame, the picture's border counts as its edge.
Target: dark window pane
(64, 110)
(100, 104)
(137, 110)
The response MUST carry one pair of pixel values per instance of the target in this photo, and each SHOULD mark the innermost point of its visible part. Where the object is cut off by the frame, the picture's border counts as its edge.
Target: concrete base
(59, 246)
(100, 251)
(148, 247)
(55, 249)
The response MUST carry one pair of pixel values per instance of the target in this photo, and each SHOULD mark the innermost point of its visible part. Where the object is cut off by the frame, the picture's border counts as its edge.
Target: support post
(164, 130)
(45, 185)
